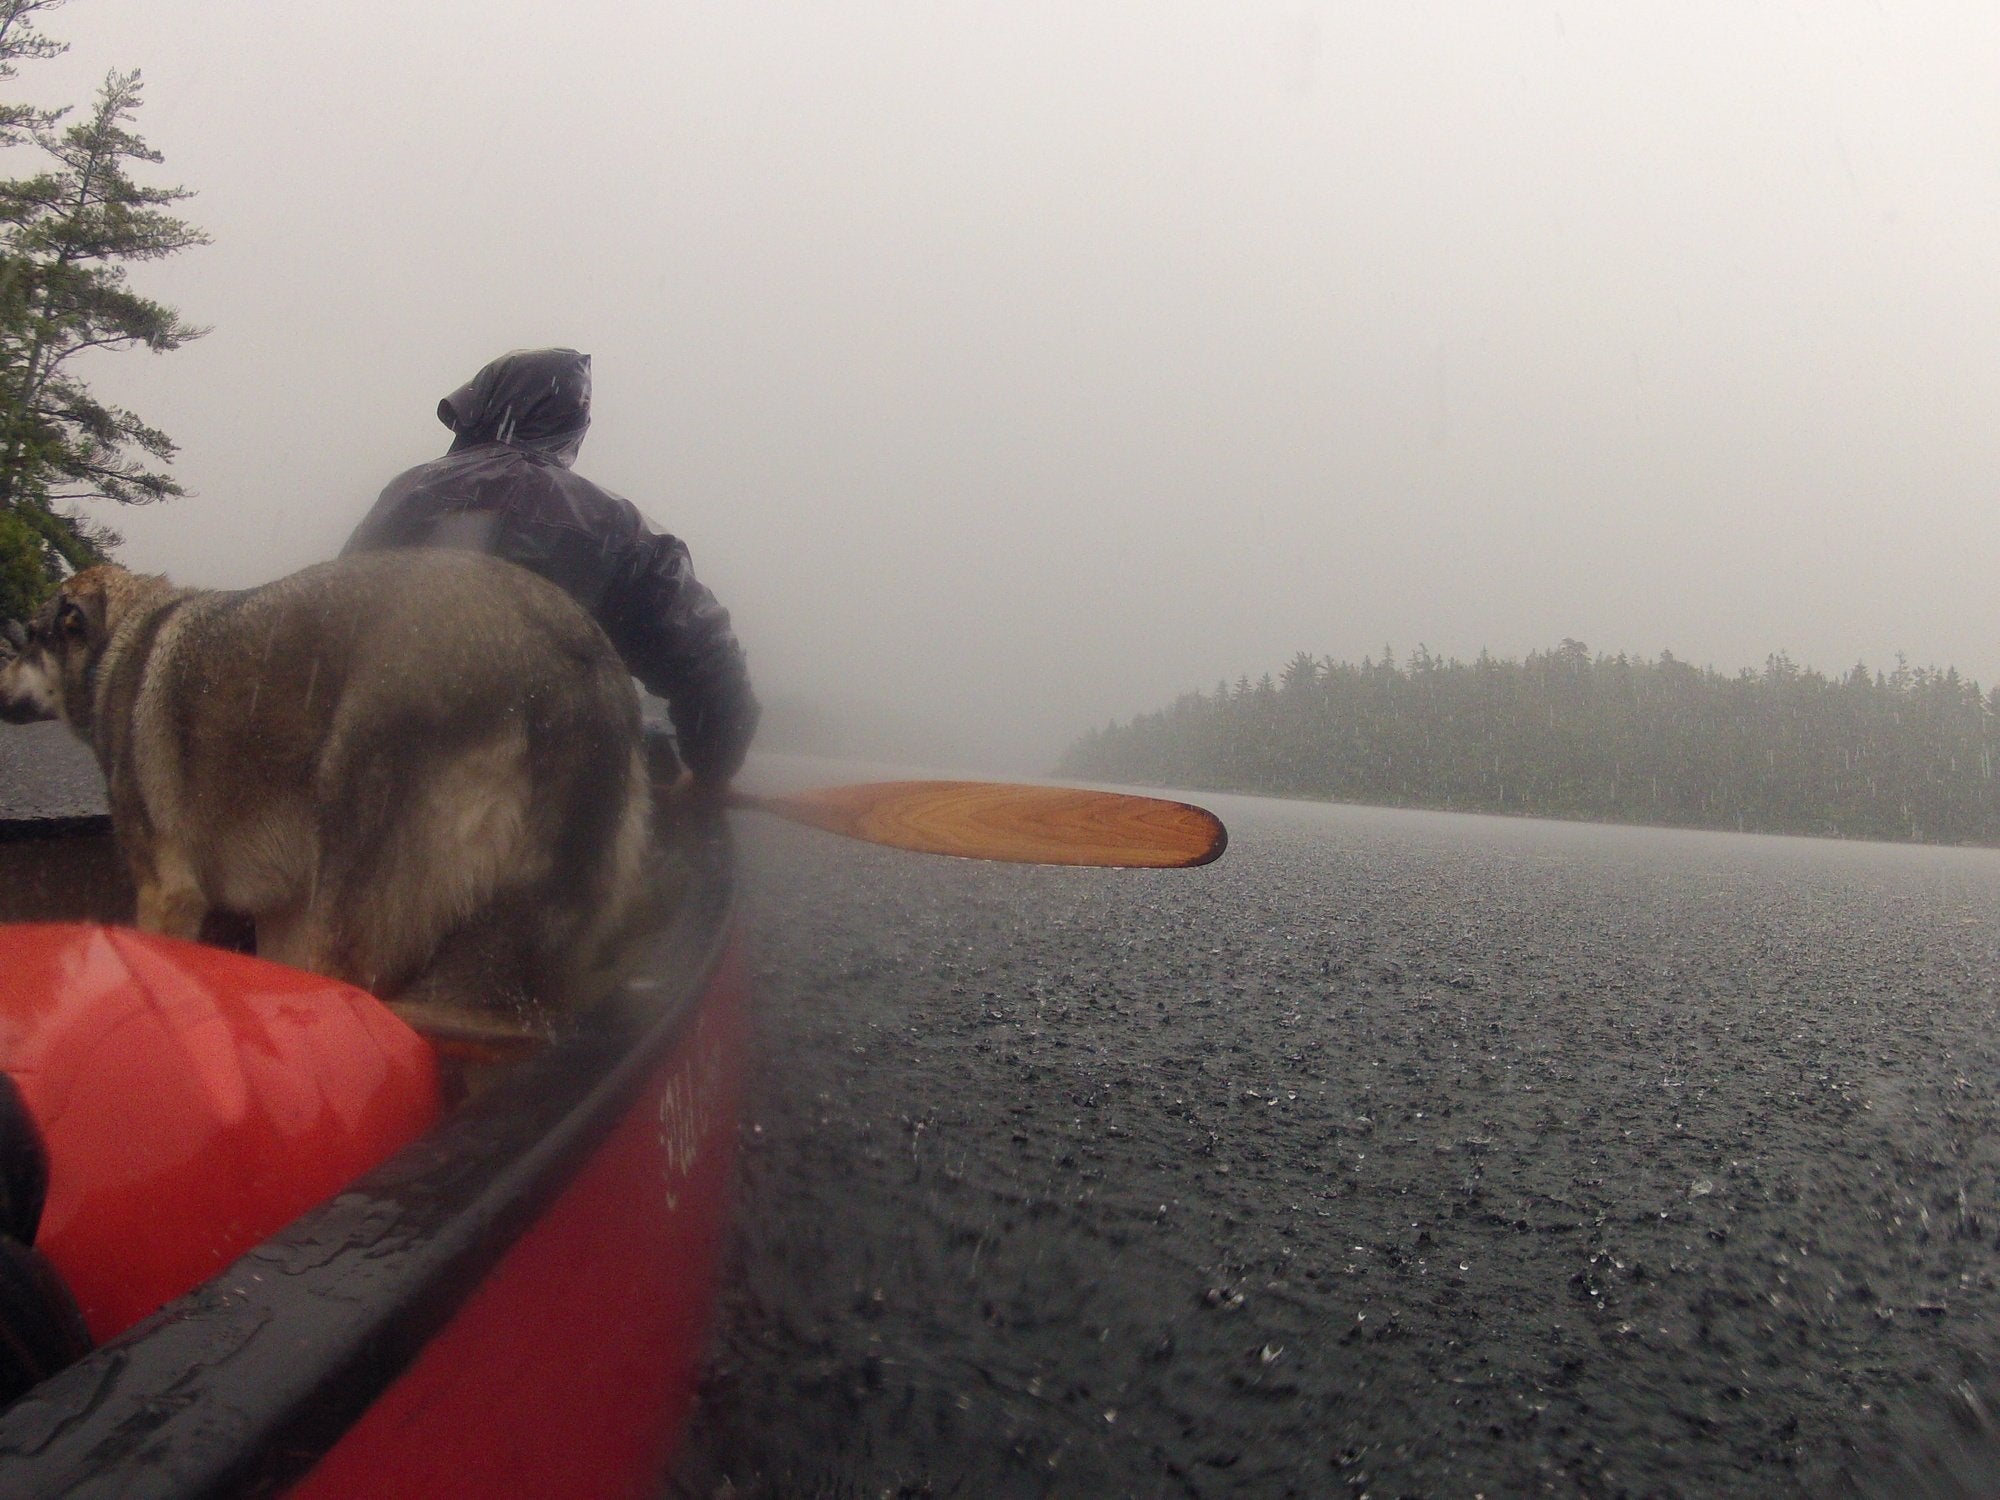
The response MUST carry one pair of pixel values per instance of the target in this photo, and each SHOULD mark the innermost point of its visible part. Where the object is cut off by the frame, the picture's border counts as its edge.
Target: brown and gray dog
(418, 771)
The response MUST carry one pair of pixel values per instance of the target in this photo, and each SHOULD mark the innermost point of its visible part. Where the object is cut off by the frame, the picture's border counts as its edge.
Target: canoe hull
(514, 1304)
(571, 1370)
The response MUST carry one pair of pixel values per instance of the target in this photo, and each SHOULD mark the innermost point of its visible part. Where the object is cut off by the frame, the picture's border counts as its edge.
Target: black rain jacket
(506, 488)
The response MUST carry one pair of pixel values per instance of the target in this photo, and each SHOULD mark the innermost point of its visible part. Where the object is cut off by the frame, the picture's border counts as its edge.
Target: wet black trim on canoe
(241, 1386)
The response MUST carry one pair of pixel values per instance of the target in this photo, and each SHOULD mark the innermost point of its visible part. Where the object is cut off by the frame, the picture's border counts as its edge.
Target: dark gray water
(1398, 1154)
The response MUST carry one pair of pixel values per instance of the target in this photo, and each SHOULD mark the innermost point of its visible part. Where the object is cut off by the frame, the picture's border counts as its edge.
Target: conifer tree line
(69, 228)
(1908, 754)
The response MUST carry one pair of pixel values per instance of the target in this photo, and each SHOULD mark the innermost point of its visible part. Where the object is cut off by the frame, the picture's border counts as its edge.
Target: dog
(420, 772)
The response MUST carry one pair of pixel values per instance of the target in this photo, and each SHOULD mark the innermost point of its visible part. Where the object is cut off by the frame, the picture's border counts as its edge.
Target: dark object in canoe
(513, 1305)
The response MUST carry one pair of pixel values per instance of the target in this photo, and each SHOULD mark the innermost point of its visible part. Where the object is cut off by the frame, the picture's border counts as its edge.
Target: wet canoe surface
(1395, 1154)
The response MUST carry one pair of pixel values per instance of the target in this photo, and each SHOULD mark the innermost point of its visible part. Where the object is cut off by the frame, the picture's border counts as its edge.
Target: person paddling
(506, 487)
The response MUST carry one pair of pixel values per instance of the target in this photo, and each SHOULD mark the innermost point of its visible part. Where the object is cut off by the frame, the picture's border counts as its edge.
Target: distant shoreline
(1909, 756)
(1183, 790)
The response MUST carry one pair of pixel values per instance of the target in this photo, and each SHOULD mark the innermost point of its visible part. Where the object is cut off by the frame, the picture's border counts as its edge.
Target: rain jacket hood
(538, 399)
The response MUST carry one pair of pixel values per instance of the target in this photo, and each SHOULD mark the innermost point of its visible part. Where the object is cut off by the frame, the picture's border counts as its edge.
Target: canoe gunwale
(242, 1385)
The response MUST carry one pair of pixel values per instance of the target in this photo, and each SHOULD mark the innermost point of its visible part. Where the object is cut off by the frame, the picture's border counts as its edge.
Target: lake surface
(1397, 1154)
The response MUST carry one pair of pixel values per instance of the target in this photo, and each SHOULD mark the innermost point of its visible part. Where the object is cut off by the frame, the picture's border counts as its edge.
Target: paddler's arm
(676, 638)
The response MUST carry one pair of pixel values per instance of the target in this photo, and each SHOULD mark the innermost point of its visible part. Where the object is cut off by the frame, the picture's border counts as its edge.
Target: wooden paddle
(1038, 825)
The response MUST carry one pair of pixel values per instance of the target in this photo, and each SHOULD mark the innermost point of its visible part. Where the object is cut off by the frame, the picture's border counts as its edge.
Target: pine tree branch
(66, 237)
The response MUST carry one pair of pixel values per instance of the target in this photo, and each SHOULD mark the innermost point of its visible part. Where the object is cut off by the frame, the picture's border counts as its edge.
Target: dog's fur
(417, 771)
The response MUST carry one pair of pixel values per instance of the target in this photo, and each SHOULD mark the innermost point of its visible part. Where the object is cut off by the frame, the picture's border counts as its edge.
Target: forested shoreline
(1907, 754)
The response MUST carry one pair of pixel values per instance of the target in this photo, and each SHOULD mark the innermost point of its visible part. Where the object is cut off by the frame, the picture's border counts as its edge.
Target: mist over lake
(1012, 370)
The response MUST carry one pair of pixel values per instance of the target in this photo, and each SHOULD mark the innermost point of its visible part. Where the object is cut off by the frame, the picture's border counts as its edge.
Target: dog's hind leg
(297, 937)
(170, 898)
(622, 884)
(475, 1003)
(411, 850)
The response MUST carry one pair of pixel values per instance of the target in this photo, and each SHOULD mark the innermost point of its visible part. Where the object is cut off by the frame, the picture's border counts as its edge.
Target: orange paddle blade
(1039, 825)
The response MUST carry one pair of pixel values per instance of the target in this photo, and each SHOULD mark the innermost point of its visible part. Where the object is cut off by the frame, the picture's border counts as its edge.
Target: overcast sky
(1013, 367)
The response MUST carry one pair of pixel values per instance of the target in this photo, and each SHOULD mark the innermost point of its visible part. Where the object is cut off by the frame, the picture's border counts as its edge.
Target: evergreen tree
(20, 41)
(66, 236)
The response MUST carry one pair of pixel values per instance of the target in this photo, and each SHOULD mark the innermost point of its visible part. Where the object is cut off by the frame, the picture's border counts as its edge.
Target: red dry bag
(193, 1101)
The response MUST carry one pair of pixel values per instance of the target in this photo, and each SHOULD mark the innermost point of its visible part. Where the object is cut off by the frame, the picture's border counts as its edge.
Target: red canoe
(515, 1304)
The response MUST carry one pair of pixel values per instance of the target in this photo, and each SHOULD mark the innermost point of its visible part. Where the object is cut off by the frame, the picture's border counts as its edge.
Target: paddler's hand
(705, 794)
(691, 797)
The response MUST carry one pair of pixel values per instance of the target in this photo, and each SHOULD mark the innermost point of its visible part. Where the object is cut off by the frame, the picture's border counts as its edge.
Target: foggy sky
(1010, 368)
